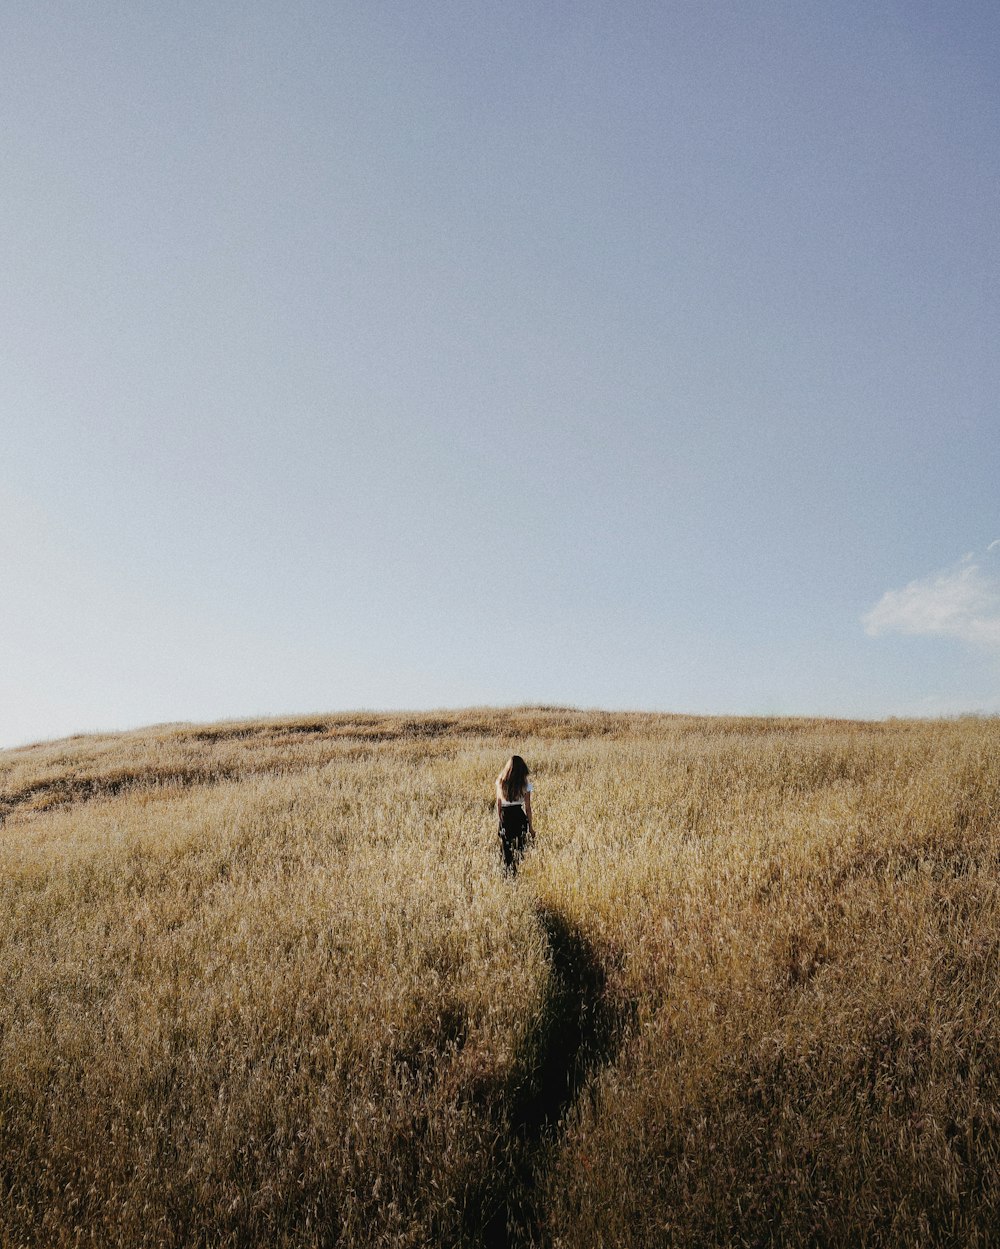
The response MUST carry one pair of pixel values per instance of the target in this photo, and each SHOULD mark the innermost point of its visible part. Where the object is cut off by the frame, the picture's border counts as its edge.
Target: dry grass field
(264, 984)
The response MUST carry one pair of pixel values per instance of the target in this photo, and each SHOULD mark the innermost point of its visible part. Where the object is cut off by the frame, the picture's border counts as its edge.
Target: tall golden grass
(264, 983)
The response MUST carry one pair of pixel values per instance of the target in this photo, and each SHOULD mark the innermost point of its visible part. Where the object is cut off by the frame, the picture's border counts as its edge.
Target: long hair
(513, 778)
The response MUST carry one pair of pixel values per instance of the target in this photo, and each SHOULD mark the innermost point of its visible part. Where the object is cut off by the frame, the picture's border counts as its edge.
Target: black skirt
(513, 834)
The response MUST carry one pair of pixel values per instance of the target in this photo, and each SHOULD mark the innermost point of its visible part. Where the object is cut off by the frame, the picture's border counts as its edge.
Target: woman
(514, 811)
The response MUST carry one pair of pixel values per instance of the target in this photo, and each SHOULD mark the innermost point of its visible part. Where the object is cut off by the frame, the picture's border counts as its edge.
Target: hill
(265, 984)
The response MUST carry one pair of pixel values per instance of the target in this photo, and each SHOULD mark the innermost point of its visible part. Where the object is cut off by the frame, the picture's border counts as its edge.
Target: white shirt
(518, 802)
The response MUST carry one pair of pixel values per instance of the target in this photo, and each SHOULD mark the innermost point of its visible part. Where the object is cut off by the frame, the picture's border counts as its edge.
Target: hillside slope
(265, 984)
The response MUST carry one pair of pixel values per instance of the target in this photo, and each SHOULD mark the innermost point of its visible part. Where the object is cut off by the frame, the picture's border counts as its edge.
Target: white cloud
(962, 602)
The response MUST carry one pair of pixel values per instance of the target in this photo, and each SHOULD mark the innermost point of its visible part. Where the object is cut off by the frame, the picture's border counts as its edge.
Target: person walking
(514, 812)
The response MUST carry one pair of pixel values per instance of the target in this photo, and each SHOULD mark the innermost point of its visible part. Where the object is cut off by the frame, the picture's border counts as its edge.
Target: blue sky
(370, 355)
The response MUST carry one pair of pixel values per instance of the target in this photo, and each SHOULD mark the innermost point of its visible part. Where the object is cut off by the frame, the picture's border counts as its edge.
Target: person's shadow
(579, 1030)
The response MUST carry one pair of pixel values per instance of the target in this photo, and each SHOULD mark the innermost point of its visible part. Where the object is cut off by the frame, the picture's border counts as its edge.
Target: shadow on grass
(579, 1031)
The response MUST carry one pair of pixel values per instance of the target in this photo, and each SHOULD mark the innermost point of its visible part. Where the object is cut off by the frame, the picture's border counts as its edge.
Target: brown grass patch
(265, 984)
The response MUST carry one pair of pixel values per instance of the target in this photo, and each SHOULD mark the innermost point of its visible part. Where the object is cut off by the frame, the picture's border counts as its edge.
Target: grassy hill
(264, 983)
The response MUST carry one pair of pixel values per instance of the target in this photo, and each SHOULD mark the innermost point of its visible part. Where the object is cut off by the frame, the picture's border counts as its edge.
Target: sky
(623, 355)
